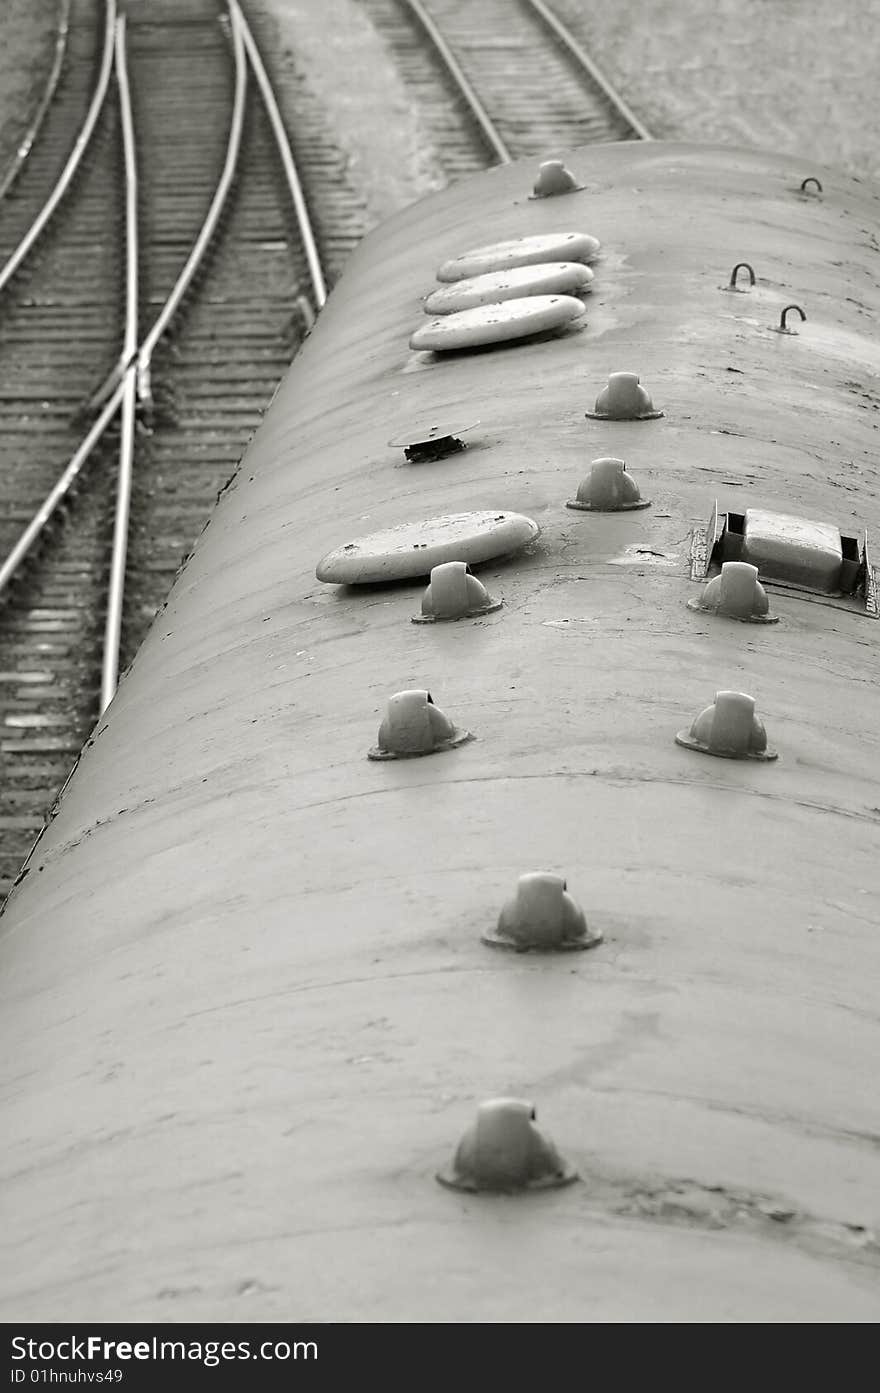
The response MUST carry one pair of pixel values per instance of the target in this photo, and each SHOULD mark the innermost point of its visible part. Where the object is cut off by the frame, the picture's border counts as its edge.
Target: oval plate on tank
(415, 548)
(512, 319)
(520, 251)
(548, 278)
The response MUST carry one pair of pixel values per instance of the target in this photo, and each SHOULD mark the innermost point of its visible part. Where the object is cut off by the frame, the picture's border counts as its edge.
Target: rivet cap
(728, 728)
(554, 178)
(454, 593)
(504, 1152)
(542, 917)
(624, 400)
(736, 594)
(608, 489)
(414, 726)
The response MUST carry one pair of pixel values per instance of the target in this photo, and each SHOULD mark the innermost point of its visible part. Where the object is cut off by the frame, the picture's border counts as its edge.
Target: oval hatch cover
(511, 319)
(520, 251)
(548, 278)
(413, 548)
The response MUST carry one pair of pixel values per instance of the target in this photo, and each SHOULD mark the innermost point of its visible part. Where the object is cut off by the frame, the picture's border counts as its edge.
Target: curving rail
(130, 379)
(294, 186)
(26, 144)
(212, 217)
(65, 179)
(116, 588)
(47, 508)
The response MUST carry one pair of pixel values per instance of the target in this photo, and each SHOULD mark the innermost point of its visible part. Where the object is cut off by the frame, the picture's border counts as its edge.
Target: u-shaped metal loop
(783, 326)
(811, 179)
(740, 266)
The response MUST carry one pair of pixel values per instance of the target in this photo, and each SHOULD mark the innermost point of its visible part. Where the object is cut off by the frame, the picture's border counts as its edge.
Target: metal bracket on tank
(872, 602)
(726, 538)
(702, 546)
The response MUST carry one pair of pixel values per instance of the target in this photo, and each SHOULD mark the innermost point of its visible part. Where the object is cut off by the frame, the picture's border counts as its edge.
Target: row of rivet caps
(454, 592)
(504, 1150)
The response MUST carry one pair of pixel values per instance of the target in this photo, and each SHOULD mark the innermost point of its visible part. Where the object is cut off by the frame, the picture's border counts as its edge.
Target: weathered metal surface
(246, 1009)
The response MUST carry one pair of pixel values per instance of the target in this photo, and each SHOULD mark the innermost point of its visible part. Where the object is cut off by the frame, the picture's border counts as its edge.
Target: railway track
(93, 335)
(500, 79)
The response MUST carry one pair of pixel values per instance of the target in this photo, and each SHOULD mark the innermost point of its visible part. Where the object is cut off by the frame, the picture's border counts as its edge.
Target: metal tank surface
(255, 994)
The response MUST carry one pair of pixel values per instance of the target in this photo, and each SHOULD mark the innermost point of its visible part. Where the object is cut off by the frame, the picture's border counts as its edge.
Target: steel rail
(66, 177)
(487, 127)
(294, 185)
(116, 587)
(26, 144)
(62, 487)
(576, 51)
(113, 391)
(212, 217)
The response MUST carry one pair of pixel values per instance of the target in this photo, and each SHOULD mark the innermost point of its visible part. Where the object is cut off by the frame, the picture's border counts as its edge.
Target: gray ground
(782, 75)
(351, 72)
